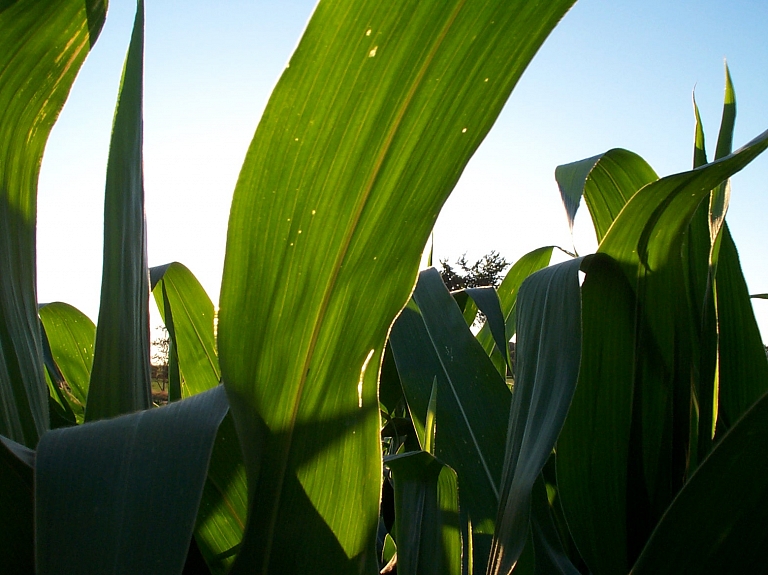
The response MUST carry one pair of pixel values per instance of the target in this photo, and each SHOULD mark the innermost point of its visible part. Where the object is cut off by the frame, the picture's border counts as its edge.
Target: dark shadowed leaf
(120, 379)
(717, 522)
(17, 544)
(547, 365)
(431, 340)
(122, 494)
(593, 447)
(427, 527)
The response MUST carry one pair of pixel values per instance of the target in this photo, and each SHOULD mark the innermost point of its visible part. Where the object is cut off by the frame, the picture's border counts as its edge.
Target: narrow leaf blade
(120, 379)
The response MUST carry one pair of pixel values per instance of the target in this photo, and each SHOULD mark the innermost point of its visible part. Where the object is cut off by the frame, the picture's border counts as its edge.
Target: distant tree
(161, 348)
(487, 271)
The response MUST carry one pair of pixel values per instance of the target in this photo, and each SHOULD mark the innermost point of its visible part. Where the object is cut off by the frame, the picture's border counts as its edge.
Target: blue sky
(612, 74)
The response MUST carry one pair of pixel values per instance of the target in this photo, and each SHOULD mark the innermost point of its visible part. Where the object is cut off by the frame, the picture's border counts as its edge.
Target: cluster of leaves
(632, 439)
(487, 271)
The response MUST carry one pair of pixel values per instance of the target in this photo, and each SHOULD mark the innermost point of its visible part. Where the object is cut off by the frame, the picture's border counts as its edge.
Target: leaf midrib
(329, 290)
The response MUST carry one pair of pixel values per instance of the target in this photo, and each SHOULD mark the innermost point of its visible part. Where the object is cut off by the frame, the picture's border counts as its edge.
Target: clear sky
(614, 73)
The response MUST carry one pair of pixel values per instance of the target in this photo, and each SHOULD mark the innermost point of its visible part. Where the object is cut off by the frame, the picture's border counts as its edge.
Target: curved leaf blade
(109, 491)
(371, 124)
(42, 46)
(70, 335)
(606, 181)
(190, 324)
(548, 352)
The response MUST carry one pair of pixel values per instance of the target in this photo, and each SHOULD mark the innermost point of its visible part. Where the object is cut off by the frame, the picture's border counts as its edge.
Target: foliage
(631, 441)
(487, 271)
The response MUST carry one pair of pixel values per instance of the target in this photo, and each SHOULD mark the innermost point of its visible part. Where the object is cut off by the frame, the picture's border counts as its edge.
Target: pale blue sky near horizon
(612, 74)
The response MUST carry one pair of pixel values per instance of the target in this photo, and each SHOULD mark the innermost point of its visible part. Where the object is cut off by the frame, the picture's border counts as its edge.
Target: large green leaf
(431, 340)
(42, 46)
(547, 366)
(17, 544)
(70, 334)
(427, 527)
(717, 522)
(593, 447)
(121, 495)
(188, 315)
(367, 132)
(120, 379)
(606, 181)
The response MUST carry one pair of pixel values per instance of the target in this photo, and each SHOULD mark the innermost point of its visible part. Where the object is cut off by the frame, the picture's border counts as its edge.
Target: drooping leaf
(120, 379)
(593, 447)
(368, 130)
(430, 339)
(42, 46)
(547, 354)
(606, 181)
(70, 334)
(17, 543)
(190, 324)
(122, 494)
(717, 522)
(427, 527)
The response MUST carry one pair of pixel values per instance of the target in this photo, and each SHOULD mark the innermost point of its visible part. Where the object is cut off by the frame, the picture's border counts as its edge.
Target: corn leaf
(507, 292)
(743, 366)
(547, 353)
(593, 447)
(368, 130)
(717, 522)
(430, 339)
(70, 334)
(427, 527)
(123, 493)
(549, 555)
(606, 181)
(120, 379)
(224, 503)
(17, 543)
(42, 46)
(188, 314)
